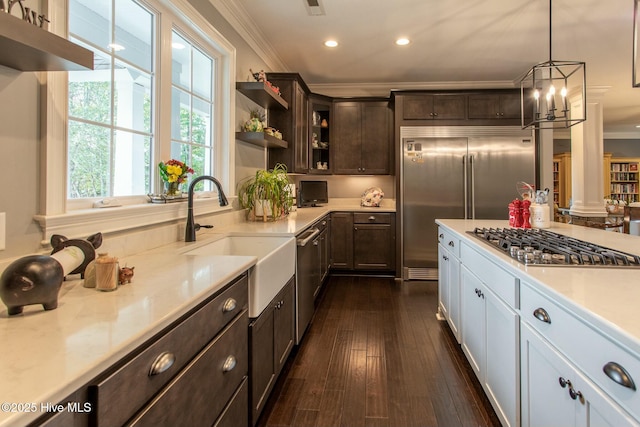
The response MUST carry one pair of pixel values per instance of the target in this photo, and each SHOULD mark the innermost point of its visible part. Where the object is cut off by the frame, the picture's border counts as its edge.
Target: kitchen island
(570, 322)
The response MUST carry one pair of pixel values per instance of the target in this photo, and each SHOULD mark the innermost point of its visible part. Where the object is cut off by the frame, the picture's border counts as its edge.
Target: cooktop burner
(534, 246)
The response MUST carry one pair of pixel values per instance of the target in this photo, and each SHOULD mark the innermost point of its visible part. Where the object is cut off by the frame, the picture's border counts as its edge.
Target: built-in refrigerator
(457, 172)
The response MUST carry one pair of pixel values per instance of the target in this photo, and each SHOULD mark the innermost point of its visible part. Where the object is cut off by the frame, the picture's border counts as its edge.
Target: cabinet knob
(162, 363)
(229, 364)
(441, 236)
(229, 305)
(542, 315)
(498, 114)
(563, 382)
(452, 244)
(435, 114)
(575, 394)
(619, 375)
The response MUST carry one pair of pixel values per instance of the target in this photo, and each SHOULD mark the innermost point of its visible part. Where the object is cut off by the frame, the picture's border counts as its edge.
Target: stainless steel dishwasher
(309, 275)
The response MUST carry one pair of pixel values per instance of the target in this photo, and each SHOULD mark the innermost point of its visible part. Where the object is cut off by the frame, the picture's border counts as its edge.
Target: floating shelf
(26, 47)
(262, 95)
(261, 139)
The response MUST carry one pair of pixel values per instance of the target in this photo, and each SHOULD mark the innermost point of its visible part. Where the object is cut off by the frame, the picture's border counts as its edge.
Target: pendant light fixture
(545, 90)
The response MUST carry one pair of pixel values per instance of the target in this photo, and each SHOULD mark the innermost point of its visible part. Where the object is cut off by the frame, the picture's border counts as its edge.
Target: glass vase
(172, 189)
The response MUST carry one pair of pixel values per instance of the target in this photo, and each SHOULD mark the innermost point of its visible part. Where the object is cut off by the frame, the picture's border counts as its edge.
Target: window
(110, 132)
(115, 123)
(114, 126)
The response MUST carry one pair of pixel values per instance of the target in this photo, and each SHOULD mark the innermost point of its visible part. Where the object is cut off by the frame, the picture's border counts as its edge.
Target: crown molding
(383, 89)
(247, 28)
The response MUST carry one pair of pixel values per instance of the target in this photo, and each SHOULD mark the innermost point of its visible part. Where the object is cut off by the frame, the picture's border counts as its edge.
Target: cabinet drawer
(449, 241)
(131, 385)
(235, 414)
(197, 396)
(372, 218)
(499, 281)
(589, 349)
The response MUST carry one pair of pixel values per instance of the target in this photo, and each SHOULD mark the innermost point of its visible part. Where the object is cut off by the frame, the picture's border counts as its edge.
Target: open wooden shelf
(26, 47)
(261, 139)
(262, 95)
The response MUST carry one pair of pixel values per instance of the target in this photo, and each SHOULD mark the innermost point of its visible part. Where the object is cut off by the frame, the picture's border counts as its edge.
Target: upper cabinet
(321, 118)
(293, 123)
(362, 137)
(434, 107)
(26, 47)
(494, 106)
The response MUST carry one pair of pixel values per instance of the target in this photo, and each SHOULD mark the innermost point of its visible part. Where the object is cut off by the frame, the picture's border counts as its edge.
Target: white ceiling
(454, 44)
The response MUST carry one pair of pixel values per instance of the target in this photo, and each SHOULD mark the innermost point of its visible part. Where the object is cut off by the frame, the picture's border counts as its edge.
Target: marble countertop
(607, 298)
(47, 355)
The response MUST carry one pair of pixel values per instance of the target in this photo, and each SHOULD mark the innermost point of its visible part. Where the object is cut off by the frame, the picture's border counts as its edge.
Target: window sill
(84, 222)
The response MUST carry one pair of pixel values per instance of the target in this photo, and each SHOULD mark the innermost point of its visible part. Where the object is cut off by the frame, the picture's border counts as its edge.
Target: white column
(587, 151)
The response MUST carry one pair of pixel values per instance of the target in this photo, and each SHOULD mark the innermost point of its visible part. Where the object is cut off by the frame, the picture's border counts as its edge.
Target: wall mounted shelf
(261, 139)
(262, 95)
(26, 47)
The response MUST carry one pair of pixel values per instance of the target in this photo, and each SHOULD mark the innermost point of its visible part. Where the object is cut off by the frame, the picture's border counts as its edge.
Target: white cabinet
(555, 393)
(449, 280)
(604, 372)
(490, 330)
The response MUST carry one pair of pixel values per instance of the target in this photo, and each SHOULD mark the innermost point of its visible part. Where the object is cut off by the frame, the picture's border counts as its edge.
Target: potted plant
(266, 195)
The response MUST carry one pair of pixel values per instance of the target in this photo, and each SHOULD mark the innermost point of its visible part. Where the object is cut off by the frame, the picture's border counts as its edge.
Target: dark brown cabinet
(362, 138)
(342, 240)
(434, 107)
(293, 123)
(494, 106)
(374, 241)
(320, 120)
(190, 374)
(363, 241)
(271, 339)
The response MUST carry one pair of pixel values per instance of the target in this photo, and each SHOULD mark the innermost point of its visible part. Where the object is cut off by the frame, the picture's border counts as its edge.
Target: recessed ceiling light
(638, 126)
(331, 43)
(116, 46)
(402, 42)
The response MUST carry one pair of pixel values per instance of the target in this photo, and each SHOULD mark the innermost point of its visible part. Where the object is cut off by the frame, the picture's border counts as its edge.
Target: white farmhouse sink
(275, 266)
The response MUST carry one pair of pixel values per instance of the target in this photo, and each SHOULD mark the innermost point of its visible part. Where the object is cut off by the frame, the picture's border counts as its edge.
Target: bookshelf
(623, 183)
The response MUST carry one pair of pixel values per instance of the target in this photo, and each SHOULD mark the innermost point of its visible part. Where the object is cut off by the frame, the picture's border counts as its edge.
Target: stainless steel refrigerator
(457, 172)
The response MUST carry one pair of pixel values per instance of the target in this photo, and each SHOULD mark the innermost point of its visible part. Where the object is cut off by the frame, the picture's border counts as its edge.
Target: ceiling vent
(314, 8)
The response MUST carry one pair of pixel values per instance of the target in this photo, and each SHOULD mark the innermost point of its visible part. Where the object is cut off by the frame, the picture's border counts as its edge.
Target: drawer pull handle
(441, 236)
(162, 363)
(452, 244)
(229, 364)
(542, 315)
(619, 375)
(229, 305)
(372, 218)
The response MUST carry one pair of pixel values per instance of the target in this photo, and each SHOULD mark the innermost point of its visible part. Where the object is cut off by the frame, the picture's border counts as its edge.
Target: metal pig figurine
(36, 279)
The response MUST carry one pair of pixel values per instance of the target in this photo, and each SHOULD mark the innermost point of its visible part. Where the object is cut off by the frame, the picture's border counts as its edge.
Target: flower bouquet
(173, 174)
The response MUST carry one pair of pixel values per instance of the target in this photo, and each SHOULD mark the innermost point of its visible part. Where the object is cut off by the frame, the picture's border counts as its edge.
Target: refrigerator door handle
(465, 186)
(473, 187)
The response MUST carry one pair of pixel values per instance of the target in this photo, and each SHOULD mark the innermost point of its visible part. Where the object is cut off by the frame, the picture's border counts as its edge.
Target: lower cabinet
(449, 304)
(191, 374)
(363, 241)
(554, 393)
(271, 339)
(490, 329)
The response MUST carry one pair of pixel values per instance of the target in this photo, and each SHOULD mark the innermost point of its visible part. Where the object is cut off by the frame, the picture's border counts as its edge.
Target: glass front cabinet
(319, 136)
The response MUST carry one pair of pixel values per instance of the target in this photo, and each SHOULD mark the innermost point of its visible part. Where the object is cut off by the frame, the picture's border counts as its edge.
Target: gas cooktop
(534, 246)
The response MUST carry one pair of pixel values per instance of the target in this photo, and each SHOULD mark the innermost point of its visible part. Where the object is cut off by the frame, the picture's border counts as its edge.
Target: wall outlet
(3, 230)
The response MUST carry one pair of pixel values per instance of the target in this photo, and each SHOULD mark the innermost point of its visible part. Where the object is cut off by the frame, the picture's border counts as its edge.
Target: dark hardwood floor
(375, 355)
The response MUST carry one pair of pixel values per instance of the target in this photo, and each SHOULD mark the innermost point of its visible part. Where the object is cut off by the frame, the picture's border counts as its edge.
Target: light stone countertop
(607, 298)
(47, 355)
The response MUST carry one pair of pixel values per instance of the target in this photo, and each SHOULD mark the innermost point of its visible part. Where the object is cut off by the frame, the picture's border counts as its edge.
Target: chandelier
(544, 91)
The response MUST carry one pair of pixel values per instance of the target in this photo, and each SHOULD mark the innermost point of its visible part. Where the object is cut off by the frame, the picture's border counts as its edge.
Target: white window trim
(54, 217)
